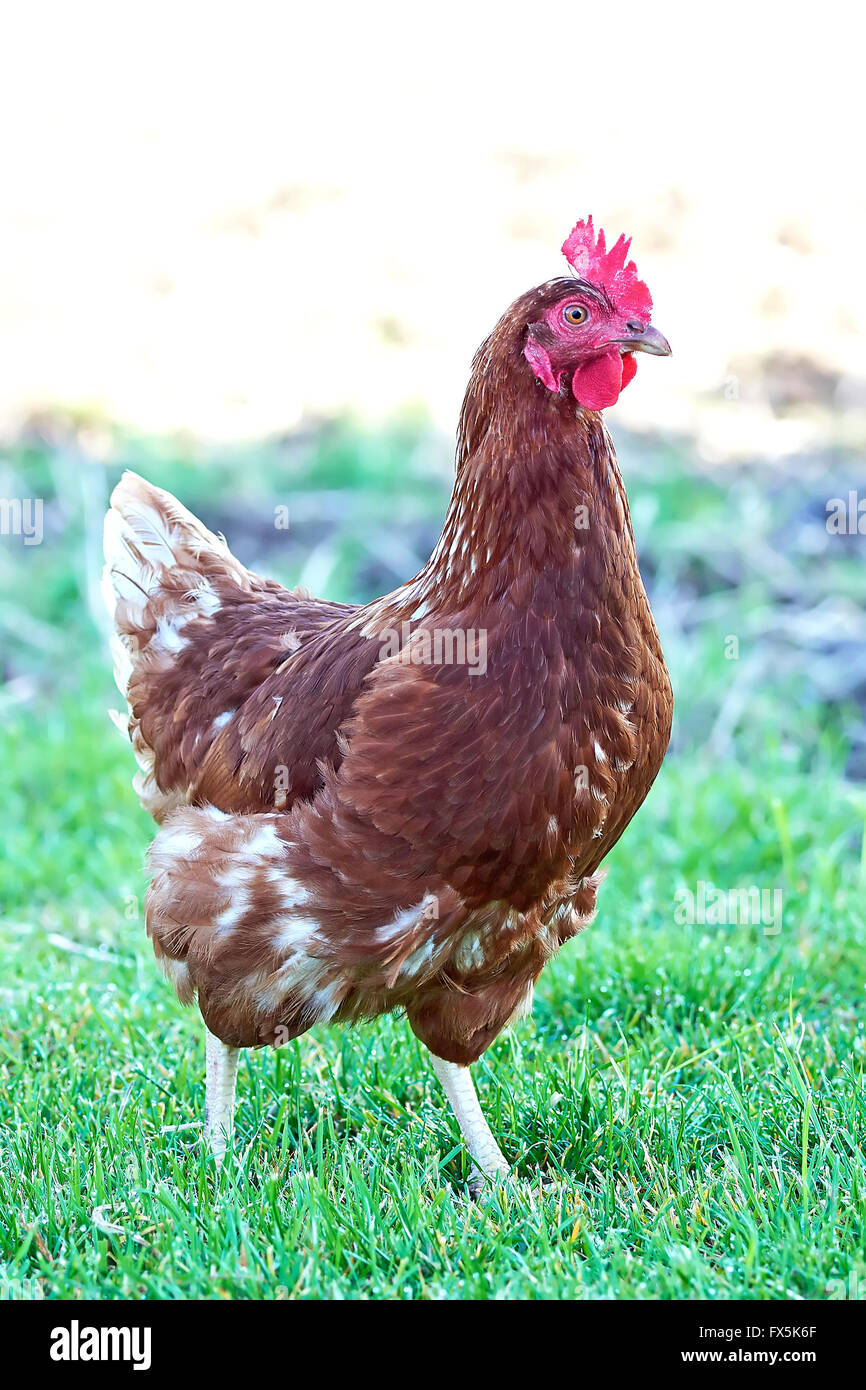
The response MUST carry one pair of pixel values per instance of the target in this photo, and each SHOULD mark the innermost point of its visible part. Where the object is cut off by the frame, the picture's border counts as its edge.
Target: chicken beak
(649, 340)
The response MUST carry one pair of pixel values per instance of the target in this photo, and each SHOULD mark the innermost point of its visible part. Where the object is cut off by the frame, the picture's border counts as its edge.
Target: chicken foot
(489, 1162)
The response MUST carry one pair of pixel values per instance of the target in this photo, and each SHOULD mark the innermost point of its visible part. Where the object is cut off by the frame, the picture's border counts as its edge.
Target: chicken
(405, 805)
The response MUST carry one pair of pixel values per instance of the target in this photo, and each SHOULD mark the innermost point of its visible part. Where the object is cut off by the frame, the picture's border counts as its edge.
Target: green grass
(685, 1109)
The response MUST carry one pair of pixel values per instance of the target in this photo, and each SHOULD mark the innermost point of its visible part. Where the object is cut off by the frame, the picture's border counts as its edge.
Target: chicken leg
(489, 1162)
(221, 1070)
(488, 1159)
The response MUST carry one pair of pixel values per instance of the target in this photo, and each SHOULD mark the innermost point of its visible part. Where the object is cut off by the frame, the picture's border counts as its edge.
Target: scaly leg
(221, 1070)
(489, 1160)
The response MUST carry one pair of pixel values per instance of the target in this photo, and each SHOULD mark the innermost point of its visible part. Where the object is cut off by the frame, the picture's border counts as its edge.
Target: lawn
(685, 1108)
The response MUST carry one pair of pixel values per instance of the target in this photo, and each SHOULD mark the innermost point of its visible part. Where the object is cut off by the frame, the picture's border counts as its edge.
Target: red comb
(589, 256)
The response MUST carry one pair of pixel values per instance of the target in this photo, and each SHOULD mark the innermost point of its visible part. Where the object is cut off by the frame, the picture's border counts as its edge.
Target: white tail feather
(163, 571)
(152, 540)
(147, 531)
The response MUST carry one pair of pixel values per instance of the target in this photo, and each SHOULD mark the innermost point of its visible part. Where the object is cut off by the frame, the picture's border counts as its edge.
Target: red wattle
(597, 383)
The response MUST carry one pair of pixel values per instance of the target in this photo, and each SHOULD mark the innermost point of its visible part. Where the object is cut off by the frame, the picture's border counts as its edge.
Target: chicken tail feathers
(163, 570)
(161, 565)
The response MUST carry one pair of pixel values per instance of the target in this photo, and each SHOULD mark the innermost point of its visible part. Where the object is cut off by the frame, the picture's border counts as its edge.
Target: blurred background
(249, 251)
(225, 226)
(253, 257)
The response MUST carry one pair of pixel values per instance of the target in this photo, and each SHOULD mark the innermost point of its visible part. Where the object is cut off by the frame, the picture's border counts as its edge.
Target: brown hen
(406, 804)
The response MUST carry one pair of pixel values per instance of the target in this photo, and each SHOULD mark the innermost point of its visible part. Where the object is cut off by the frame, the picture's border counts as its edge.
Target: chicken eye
(575, 314)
